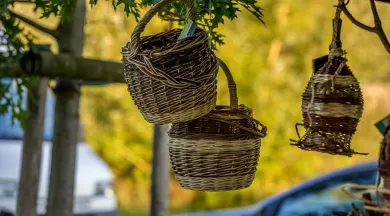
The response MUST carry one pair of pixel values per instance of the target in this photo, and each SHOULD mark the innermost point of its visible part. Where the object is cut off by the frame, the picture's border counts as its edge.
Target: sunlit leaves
(11, 48)
(212, 13)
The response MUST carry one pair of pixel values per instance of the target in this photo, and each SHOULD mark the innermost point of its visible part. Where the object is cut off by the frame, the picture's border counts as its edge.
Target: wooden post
(32, 150)
(66, 121)
(160, 172)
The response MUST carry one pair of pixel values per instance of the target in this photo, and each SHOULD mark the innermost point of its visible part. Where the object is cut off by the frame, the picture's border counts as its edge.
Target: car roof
(273, 201)
(364, 167)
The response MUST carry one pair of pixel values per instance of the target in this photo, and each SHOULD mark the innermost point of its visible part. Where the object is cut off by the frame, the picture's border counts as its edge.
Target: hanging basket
(170, 80)
(220, 151)
(332, 105)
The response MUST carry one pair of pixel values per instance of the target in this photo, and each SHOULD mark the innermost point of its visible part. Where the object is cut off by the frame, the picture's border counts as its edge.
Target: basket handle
(134, 45)
(231, 84)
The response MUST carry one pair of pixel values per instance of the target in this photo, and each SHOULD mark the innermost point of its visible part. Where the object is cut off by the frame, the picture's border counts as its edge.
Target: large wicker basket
(170, 80)
(332, 105)
(220, 151)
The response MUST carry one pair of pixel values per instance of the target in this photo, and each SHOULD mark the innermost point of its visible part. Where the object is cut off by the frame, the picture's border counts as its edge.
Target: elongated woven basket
(332, 105)
(220, 151)
(170, 80)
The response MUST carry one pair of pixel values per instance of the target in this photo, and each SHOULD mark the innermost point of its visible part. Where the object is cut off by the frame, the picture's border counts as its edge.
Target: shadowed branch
(41, 28)
(377, 29)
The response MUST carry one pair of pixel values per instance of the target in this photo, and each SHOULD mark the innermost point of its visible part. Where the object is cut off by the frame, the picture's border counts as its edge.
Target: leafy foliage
(211, 14)
(11, 48)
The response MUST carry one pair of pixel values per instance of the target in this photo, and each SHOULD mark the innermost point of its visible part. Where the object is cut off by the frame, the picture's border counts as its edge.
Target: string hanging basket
(332, 105)
(170, 80)
(219, 151)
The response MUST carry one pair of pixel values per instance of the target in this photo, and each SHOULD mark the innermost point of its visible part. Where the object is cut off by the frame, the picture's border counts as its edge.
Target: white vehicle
(94, 195)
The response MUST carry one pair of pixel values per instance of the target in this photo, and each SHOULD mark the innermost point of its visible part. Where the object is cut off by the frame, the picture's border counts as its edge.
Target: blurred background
(271, 64)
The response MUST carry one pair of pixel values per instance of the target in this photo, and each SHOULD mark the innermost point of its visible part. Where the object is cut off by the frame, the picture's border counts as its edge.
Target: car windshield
(326, 197)
(14, 130)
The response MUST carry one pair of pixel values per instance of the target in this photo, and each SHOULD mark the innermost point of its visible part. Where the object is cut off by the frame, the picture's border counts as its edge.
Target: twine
(340, 81)
(324, 88)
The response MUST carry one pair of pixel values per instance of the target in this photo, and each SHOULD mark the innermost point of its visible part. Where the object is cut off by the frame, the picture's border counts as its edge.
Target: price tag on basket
(189, 30)
(383, 124)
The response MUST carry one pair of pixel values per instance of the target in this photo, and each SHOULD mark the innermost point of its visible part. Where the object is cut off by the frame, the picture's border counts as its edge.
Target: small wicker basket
(332, 105)
(170, 80)
(220, 151)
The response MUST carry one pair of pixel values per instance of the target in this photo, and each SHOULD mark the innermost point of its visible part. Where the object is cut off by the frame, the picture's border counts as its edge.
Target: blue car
(320, 196)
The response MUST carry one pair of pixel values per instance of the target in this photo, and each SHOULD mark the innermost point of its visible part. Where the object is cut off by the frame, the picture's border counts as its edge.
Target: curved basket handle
(140, 27)
(231, 84)
(234, 104)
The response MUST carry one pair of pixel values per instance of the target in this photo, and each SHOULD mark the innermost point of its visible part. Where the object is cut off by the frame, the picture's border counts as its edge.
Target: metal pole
(160, 172)
(32, 150)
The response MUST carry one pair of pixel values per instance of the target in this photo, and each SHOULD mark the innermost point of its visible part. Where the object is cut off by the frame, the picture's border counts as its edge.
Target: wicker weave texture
(214, 165)
(217, 152)
(331, 116)
(177, 80)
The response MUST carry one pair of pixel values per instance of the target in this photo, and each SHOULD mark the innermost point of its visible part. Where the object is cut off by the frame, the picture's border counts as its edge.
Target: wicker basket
(170, 80)
(220, 151)
(332, 105)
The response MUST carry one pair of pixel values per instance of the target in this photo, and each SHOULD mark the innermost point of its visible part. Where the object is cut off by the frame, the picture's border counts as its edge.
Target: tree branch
(23, 1)
(63, 66)
(41, 28)
(354, 20)
(377, 29)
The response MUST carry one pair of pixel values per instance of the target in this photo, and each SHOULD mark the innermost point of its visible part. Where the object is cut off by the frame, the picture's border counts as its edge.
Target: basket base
(330, 143)
(216, 183)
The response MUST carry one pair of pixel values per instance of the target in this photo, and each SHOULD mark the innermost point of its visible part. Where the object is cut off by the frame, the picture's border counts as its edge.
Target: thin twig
(355, 21)
(28, 21)
(179, 19)
(377, 29)
(24, 1)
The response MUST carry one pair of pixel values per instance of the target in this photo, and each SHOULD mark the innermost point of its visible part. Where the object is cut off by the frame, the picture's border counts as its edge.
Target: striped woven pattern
(331, 115)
